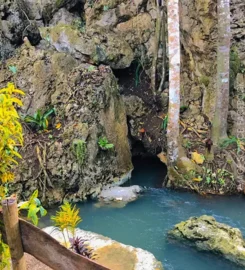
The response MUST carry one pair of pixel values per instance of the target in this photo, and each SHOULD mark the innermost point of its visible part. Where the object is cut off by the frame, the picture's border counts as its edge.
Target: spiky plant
(79, 246)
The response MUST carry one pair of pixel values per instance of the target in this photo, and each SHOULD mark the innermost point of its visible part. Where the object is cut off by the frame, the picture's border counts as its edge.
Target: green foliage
(79, 149)
(165, 123)
(105, 8)
(10, 134)
(33, 206)
(187, 143)
(67, 218)
(183, 108)
(39, 121)
(80, 25)
(104, 144)
(218, 177)
(235, 65)
(91, 68)
(232, 140)
(4, 255)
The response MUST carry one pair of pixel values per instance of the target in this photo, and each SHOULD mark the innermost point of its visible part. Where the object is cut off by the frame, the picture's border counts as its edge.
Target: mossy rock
(205, 233)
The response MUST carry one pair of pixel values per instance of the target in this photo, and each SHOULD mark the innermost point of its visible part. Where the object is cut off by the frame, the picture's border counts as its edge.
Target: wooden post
(11, 224)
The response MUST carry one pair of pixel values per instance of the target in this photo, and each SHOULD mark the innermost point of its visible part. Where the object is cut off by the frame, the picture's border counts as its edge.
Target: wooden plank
(50, 252)
(12, 229)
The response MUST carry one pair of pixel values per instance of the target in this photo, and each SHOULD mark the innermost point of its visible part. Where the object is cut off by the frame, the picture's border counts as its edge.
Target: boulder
(112, 254)
(99, 45)
(205, 233)
(125, 194)
(88, 106)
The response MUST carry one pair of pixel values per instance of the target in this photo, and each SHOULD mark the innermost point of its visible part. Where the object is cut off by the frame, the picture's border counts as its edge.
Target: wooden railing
(21, 236)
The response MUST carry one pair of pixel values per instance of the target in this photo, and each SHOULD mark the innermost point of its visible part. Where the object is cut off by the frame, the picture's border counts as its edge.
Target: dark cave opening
(148, 172)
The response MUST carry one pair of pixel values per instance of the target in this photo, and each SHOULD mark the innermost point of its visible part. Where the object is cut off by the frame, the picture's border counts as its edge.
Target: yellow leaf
(58, 126)
(198, 158)
(199, 179)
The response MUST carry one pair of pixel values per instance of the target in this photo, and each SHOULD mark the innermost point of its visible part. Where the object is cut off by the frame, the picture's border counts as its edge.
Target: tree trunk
(174, 80)
(219, 128)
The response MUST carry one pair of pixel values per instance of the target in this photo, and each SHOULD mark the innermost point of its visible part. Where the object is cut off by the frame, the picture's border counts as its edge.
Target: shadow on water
(145, 222)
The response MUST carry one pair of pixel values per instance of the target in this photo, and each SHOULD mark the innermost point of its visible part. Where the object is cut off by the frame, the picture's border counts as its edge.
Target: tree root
(42, 162)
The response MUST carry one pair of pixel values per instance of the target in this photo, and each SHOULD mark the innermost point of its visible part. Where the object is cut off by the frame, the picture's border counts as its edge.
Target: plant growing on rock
(39, 121)
(79, 150)
(104, 144)
(232, 140)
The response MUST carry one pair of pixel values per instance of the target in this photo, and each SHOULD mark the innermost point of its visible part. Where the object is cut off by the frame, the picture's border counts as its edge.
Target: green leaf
(33, 197)
(48, 113)
(43, 211)
(109, 146)
(24, 205)
(37, 202)
(91, 68)
(105, 8)
(13, 69)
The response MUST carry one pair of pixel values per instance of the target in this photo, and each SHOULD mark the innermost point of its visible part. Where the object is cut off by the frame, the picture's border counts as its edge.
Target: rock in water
(125, 194)
(207, 234)
(112, 254)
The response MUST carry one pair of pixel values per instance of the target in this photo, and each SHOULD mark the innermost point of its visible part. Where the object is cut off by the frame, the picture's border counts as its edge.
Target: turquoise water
(145, 222)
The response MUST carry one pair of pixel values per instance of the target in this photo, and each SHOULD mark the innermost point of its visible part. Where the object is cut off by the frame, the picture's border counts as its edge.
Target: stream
(145, 222)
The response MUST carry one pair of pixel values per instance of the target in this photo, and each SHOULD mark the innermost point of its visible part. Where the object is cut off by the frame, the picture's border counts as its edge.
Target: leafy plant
(232, 140)
(39, 121)
(79, 246)
(67, 218)
(4, 255)
(104, 144)
(79, 150)
(218, 177)
(165, 122)
(10, 132)
(33, 206)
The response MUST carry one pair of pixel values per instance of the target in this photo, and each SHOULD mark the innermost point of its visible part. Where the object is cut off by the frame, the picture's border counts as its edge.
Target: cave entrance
(148, 172)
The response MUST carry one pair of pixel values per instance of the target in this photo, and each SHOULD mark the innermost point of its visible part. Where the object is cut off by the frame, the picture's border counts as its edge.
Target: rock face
(207, 234)
(88, 106)
(112, 254)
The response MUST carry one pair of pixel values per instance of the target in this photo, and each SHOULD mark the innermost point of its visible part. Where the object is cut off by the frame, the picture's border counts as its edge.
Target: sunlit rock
(112, 254)
(205, 233)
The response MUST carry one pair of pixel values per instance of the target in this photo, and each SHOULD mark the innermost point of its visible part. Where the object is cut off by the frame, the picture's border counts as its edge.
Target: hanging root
(42, 162)
(155, 56)
(163, 40)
